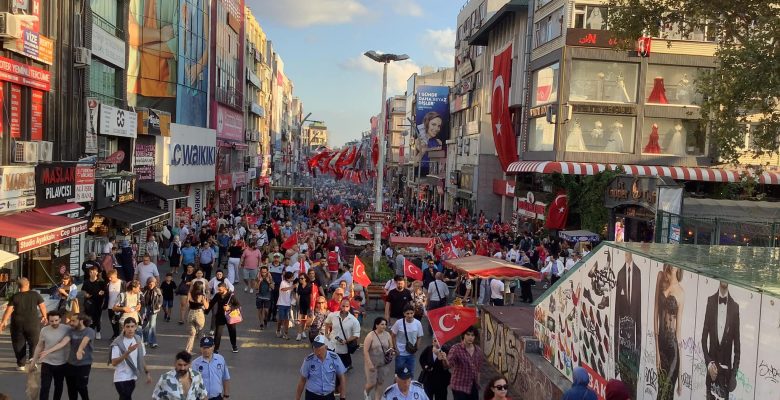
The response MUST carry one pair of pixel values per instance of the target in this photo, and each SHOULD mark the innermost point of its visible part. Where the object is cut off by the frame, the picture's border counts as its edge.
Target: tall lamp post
(385, 59)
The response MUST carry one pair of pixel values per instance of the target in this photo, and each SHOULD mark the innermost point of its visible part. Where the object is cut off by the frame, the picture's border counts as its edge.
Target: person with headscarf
(617, 390)
(579, 388)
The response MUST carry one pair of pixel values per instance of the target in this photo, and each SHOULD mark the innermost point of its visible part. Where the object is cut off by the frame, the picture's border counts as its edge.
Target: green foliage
(744, 87)
(384, 273)
(586, 196)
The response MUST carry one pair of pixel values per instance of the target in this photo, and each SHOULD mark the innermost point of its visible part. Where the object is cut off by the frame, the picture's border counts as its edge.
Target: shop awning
(409, 241)
(161, 190)
(136, 216)
(6, 257)
(33, 230)
(579, 236)
(488, 267)
(61, 209)
(682, 173)
(735, 210)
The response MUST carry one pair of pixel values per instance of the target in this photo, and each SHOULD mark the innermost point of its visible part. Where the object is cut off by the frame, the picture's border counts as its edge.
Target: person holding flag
(465, 361)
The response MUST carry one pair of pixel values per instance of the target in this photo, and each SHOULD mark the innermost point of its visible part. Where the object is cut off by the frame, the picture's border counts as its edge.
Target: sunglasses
(501, 387)
(320, 302)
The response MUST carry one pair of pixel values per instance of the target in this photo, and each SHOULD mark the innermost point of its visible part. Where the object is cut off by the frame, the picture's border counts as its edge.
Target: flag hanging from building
(500, 115)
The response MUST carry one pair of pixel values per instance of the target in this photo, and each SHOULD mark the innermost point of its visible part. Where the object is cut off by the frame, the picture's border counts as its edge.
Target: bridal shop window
(588, 16)
(608, 82)
(600, 133)
(541, 135)
(673, 85)
(674, 137)
(545, 85)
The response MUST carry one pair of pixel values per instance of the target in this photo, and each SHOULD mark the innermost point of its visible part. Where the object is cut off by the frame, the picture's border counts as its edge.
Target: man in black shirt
(429, 275)
(90, 262)
(22, 310)
(397, 299)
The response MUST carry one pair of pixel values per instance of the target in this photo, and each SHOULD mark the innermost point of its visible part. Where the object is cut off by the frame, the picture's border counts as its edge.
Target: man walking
(182, 382)
(212, 366)
(250, 261)
(81, 337)
(127, 357)
(22, 310)
(319, 373)
(343, 329)
(52, 362)
(465, 361)
(146, 270)
(206, 257)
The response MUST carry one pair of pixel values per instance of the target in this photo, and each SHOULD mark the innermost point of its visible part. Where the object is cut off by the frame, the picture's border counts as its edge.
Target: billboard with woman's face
(432, 120)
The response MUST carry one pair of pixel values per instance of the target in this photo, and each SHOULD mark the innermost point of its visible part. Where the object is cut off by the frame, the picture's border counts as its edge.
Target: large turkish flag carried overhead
(449, 322)
(500, 116)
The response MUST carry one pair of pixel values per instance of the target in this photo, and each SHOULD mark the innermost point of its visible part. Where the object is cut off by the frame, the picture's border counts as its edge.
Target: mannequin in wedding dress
(595, 21)
(575, 142)
(620, 92)
(597, 136)
(615, 139)
(677, 142)
(684, 90)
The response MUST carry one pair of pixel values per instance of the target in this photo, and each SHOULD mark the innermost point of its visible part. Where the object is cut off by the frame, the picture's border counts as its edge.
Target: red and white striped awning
(680, 173)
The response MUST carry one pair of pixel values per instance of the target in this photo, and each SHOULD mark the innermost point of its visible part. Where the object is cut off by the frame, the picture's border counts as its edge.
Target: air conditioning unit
(9, 26)
(255, 136)
(82, 56)
(247, 134)
(45, 151)
(26, 152)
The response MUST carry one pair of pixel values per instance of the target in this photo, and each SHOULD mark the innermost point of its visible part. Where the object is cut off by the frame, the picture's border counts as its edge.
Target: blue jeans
(407, 361)
(150, 329)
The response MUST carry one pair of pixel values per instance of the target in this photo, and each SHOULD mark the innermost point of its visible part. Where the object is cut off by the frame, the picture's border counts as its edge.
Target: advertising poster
(727, 365)
(16, 112)
(85, 184)
(36, 114)
(432, 121)
(144, 161)
(91, 145)
(768, 372)
(193, 66)
(33, 45)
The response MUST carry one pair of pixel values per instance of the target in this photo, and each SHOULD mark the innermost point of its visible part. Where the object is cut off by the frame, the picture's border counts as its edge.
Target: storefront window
(674, 85)
(545, 85)
(588, 16)
(541, 135)
(601, 81)
(600, 133)
(674, 137)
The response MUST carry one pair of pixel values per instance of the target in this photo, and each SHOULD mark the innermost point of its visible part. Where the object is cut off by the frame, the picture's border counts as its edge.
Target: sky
(322, 42)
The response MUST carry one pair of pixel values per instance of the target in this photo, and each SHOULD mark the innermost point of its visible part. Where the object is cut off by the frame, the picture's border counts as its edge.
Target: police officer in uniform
(404, 387)
(212, 366)
(319, 373)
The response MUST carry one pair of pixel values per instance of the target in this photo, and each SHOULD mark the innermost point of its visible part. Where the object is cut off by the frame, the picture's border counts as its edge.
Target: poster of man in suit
(628, 322)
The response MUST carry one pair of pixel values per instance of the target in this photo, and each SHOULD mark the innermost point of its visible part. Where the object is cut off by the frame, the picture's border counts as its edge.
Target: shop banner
(190, 156)
(85, 184)
(252, 173)
(115, 190)
(56, 183)
(23, 74)
(108, 47)
(17, 204)
(42, 239)
(183, 214)
(500, 115)
(529, 205)
(36, 114)
(15, 121)
(239, 179)
(33, 45)
(230, 124)
(504, 187)
(91, 146)
(17, 182)
(432, 122)
(144, 161)
(118, 122)
(224, 182)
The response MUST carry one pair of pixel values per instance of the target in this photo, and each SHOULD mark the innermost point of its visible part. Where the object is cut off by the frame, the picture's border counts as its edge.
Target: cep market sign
(192, 154)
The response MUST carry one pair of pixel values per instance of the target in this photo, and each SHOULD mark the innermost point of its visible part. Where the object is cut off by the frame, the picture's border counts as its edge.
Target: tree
(744, 87)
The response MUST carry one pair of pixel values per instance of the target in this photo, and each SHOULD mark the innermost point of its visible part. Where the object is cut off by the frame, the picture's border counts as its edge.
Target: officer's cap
(319, 341)
(403, 373)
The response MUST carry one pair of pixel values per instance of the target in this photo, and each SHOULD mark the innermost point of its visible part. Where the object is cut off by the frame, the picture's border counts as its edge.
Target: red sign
(504, 187)
(2, 113)
(53, 236)
(183, 214)
(23, 74)
(643, 46)
(16, 112)
(115, 158)
(224, 182)
(36, 115)
(590, 38)
(529, 207)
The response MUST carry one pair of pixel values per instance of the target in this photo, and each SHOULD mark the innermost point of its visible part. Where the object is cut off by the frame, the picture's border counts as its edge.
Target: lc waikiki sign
(190, 155)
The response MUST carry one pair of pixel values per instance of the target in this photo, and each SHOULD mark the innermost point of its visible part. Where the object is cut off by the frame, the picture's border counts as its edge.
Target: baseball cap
(319, 341)
(403, 373)
(207, 341)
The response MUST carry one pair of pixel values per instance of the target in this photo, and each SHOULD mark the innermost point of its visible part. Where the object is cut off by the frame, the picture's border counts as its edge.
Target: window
(103, 83)
(549, 27)
(674, 137)
(609, 82)
(588, 16)
(673, 85)
(545, 81)
(478, 79)
(107, 13)
(600, 133)
(707, 33)
(541, 135)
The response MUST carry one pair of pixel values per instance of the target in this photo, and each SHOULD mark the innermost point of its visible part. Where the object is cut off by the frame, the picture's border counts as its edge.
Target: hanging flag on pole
(500, 115)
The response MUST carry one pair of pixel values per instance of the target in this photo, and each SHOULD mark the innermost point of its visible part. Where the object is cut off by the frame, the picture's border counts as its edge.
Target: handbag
(387, 352)
(233, 316)
(351, 346)
(411, 348)
(183, 289)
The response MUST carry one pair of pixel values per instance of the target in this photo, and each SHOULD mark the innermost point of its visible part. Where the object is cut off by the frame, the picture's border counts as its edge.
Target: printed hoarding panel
(432, 119)
(193, 66)
(768, 370)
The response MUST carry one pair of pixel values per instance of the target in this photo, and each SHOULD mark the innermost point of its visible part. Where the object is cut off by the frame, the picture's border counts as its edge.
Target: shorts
(249, 274)
(167, 303)
(284, 312)
(262, 303)
(304, 310)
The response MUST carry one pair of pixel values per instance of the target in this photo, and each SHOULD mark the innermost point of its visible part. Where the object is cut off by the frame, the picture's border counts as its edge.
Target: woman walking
(184, 289)
(198, 302)
(222, 303)
(95, 290)
(305, 306)
(378, 354)
(153, 250)
(151, 300)
(317, 320)
(174, 255)
(496, 389)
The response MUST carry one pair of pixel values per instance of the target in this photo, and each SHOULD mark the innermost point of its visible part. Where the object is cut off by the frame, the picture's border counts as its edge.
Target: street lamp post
(385, 59)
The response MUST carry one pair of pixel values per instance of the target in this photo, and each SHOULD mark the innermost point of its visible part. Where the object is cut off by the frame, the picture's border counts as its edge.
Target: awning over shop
(735, 210)
(33, 230)
(136, 216)
(409, 241)
(488, 267)
(61, 209)
(161, 190)
(6, 257)
(579, 236)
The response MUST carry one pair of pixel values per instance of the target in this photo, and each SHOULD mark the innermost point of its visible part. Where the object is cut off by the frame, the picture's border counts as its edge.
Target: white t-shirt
(108, 247)
(351, 328)
(114, 288)
(414, 331)
(122, 372)
(496, 289)
(284, 296)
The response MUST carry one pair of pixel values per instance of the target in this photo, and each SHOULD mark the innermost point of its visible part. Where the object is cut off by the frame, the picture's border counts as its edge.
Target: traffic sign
(377, 216)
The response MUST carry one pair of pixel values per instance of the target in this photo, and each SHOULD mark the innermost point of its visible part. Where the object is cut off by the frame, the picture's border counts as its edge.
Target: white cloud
(303, 13)
(397, 72)
(408, 8)
(441, 43)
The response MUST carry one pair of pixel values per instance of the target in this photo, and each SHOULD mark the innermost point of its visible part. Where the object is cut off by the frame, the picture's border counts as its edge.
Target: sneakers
(278, 334)
(298, 338)
(21, 368)
(304, 335)
(251, 291)
(246, 289)
(366, 395)
(97, 336)
(235, 349)
(285, 337)
(154, 346)
(211, 333)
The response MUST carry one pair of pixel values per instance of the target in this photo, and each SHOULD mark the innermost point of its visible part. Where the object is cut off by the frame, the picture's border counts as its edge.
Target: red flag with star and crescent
(450, 321)
(359, 273)
(412, 271)
(500, 115)
(558, 213)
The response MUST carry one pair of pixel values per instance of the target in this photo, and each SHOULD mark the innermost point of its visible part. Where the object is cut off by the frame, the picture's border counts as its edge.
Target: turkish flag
(375, 150)
(275, 227)
(365, 233)
(291, 241)
(430, 246)
(449, 251)
(500, 116)
(558, 213)
(411, 271)
(458, 242)
(450, 321)
(359, 273)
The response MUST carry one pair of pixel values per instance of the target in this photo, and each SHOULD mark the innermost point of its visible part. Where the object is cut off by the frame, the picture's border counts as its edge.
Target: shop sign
(239, 179)
(16, 111)
(17, 182)
(460, 102)
(193, 154)
(189, 156)
(144, 161)
(17, 204)
(33, 45)
(23, 74)
(604, 109)
(466, 67)
(114, 190)
(590, 38)
(538, 111)
(674, 233)
(530, 206)
(56, 183)
(36, 114)
(54, 236)
(230, 124)
(252, 173)
(183, 214)
(197, 194)
(91, 145)
(504, 187)
(224, 182)
(640, 190)
(108, 47)
(85, 184)
(118, 122)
